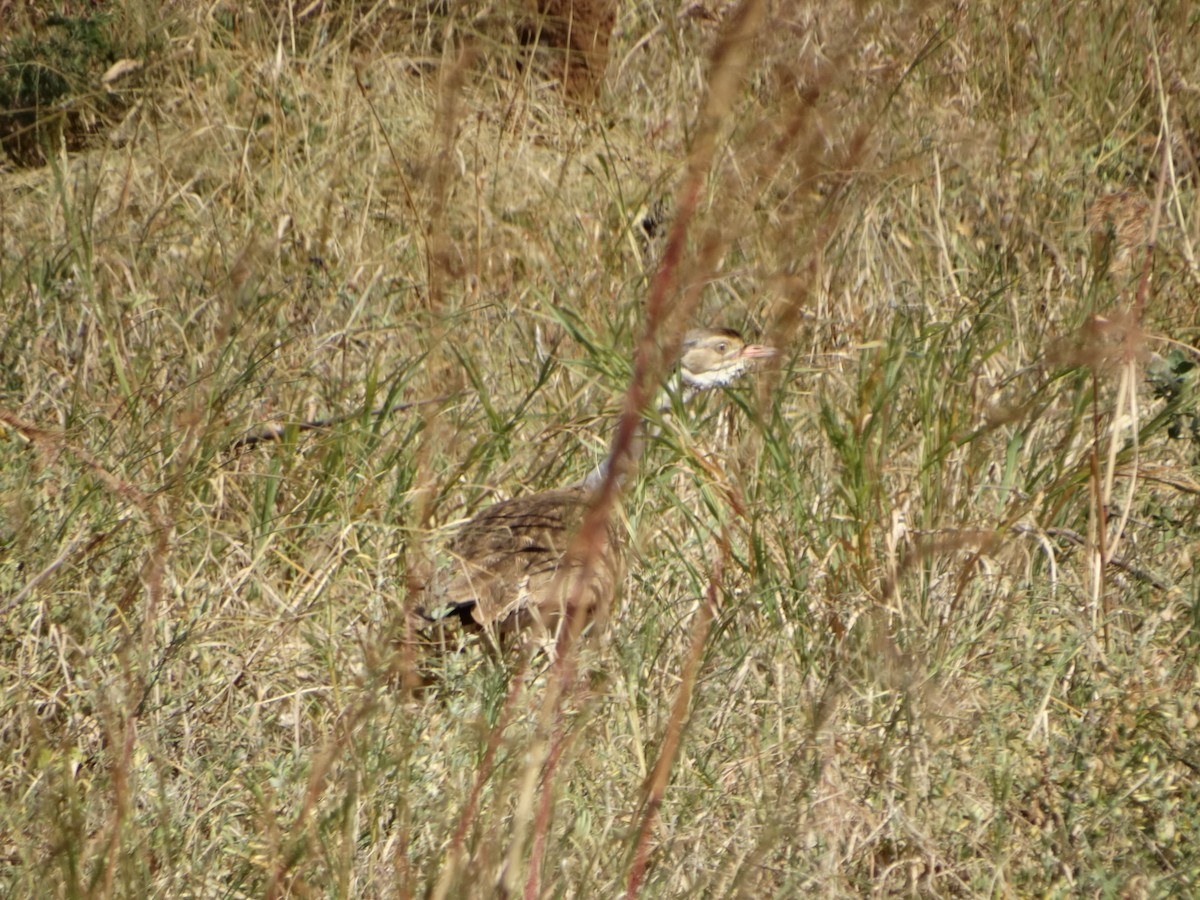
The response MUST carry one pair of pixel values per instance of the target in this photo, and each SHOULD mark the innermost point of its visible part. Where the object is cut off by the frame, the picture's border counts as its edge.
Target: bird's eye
(722, 347)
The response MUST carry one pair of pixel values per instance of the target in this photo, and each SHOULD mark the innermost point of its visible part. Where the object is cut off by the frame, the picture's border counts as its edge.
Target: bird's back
(514, 565)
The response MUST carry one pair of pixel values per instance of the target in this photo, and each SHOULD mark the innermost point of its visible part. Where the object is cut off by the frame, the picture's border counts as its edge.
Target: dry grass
(920, 621)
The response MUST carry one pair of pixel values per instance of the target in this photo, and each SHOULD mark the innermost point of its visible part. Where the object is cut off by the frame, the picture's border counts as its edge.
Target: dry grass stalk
(656, 787)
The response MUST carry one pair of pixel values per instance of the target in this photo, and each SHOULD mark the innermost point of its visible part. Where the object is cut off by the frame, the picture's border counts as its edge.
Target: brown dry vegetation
(922, 624)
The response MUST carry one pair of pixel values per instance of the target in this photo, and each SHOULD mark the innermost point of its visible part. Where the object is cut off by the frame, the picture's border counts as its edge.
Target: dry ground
(918, 618)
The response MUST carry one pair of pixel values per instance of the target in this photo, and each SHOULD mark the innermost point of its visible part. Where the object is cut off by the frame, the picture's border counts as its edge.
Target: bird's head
(714, 357)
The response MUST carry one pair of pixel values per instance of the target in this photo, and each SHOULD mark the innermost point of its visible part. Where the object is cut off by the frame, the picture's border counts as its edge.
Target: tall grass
(911, 613)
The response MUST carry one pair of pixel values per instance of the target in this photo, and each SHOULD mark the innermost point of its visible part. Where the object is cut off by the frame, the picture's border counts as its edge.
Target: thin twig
(1118, 562)
(277, 431)
(42, 575)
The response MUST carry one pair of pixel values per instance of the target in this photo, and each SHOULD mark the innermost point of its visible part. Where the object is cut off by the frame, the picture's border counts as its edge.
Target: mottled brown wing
(512, 566)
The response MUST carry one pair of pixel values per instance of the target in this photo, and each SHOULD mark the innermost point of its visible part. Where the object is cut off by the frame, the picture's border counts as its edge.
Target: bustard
(514, 564)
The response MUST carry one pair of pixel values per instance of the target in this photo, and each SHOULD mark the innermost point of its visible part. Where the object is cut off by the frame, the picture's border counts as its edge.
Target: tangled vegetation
(913, 613)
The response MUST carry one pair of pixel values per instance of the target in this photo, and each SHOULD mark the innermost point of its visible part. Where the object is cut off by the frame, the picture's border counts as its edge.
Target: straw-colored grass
(911, 613)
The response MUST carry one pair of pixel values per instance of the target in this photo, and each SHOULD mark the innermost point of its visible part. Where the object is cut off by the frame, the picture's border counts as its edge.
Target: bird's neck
(647, 430)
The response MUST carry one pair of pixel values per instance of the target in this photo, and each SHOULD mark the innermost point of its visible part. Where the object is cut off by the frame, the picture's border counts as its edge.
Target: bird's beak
(758, 351)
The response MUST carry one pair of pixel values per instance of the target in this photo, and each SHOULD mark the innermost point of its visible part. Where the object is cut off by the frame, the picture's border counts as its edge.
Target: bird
(515, 565)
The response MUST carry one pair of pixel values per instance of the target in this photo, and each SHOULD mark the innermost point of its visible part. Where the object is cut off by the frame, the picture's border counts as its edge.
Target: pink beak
(758, 351)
